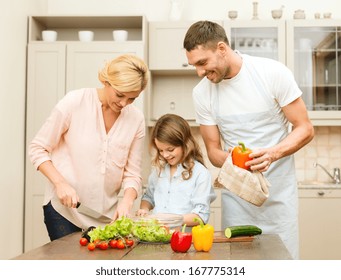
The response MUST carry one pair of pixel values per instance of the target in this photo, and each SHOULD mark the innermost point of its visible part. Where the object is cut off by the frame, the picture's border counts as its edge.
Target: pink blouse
(95, 163)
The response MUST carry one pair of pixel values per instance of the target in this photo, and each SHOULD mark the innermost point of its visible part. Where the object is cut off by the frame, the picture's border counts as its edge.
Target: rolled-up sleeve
(203, 195)
(149, 193)
(47, 138)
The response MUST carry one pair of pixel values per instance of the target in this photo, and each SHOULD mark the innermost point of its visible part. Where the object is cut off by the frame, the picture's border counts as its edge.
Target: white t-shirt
(238, 94)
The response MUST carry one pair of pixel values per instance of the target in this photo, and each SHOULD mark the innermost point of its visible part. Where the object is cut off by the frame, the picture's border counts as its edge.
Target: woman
(90, 146)
(180, 183)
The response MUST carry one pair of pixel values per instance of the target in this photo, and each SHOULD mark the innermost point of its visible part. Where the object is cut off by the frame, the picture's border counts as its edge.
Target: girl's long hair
(174, 130)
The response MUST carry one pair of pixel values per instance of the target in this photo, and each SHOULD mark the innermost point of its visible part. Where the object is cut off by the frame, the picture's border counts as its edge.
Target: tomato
(129, 242)
(83, 241)
(97, 242)
(120, 244)
(113, 243)
(103, 245)
(91, 246)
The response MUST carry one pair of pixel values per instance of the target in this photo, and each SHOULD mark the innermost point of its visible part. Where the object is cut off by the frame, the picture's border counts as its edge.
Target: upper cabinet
(265, 38)
(172, 78)
(67, 27)
(166, 51)
(314, 56)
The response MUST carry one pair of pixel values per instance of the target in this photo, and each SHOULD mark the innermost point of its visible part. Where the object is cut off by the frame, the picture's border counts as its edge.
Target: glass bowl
(156, 228)
(172, 221)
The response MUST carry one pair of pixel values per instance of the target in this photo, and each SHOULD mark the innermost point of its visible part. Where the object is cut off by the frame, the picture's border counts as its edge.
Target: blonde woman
(180, 183)
(91, 146)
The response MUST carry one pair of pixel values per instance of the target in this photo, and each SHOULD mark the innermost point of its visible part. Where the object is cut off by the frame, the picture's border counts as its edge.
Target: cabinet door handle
(320, 193)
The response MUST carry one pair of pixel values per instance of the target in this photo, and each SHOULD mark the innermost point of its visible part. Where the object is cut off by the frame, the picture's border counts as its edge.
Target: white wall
(156, 10)
(13, 33)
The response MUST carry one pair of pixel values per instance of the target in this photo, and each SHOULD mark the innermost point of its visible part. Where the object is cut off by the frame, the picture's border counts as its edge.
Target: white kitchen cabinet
(55, 68)
(265, 38)
(314, 56)
(172, 94)
(320, 223)
(93, 57)
(215, 216)
(166, 51)
(45, 86)
(172, 78)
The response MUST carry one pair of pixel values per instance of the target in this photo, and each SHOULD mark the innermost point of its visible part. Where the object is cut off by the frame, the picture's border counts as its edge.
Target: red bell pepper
(181, 241)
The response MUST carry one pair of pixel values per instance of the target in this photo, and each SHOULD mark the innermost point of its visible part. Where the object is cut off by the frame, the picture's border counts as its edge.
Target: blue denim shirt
(178, 196)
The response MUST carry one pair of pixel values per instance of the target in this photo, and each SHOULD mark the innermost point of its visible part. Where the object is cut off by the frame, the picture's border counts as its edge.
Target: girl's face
(170, 153)
(118, 100)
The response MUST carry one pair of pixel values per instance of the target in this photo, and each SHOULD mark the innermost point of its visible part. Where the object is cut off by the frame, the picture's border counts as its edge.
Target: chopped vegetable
(120, 228)
(151, 231)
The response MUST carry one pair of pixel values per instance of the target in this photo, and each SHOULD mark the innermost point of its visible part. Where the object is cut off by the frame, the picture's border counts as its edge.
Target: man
(257, 101)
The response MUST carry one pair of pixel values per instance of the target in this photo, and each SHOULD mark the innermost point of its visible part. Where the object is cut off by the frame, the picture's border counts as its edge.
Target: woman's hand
(67, 195)
(124, 207)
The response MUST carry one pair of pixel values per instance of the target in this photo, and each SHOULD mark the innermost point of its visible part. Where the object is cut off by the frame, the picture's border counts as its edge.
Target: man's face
(209, 63)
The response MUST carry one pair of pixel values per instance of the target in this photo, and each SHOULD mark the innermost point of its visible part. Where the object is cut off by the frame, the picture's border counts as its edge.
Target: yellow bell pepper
(202, 236)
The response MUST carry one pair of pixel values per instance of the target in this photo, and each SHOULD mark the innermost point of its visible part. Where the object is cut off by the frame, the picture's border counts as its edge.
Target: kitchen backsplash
(325, 149)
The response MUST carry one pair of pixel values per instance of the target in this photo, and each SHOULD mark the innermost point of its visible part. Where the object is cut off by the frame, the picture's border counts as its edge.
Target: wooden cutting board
(219, 237)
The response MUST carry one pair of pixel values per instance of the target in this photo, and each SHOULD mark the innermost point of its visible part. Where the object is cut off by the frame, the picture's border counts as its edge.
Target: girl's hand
(142, 212)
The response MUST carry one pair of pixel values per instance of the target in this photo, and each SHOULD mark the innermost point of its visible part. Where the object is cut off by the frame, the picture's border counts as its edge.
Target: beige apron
(279, 213)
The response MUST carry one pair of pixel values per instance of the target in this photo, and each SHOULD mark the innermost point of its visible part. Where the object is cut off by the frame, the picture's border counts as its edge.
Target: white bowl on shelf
(232, 14)
(120, 35)
(327, 15)
(49, 35)
(85, 35)
(276, 14)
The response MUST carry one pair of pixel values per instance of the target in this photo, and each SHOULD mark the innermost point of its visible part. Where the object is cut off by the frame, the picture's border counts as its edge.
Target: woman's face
(118, 100)
(170, 153)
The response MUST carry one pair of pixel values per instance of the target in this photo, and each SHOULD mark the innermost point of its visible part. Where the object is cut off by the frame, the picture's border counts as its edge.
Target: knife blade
(90, 212)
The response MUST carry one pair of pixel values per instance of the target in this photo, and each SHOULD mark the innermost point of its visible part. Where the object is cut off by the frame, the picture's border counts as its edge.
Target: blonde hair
(174, 130)
(125, 73)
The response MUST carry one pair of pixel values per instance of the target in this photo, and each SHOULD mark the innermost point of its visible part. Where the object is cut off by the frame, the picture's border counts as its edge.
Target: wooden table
(262, 247)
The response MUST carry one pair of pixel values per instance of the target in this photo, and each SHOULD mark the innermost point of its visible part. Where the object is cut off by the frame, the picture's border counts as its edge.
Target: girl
(179, 182)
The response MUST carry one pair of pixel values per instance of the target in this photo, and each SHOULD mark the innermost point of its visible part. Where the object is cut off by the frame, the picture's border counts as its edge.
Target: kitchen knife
(90, 212)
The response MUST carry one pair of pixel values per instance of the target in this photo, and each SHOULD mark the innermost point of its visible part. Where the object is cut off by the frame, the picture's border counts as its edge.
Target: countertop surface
(261, 247)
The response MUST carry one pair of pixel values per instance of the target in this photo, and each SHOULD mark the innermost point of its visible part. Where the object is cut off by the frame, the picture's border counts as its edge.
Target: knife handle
(78, 204)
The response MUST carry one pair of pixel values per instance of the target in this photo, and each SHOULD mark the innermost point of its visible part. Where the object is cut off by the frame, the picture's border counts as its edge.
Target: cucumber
(243, 230)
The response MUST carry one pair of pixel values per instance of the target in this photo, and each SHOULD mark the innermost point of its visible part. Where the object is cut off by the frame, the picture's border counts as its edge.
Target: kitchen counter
(262, 247)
